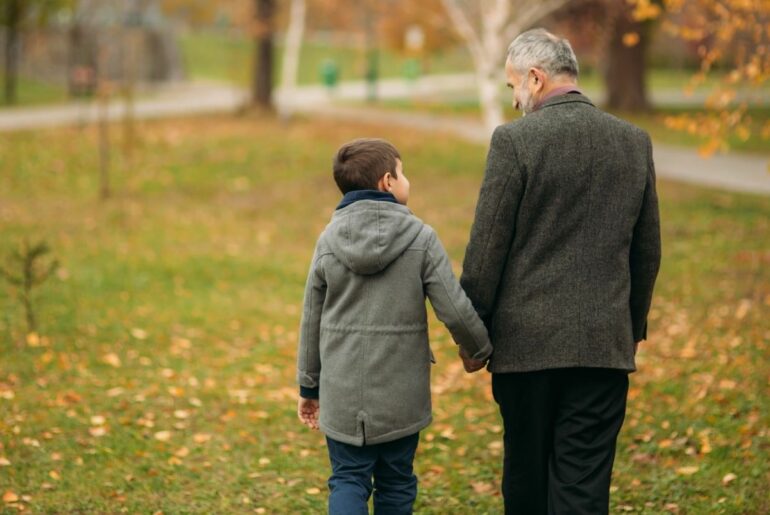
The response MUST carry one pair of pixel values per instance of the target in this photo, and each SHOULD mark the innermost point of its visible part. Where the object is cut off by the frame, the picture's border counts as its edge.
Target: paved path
(744, 173)
(734, 172)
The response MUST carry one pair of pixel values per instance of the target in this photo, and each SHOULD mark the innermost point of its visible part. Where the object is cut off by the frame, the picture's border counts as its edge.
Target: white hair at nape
(538, 48)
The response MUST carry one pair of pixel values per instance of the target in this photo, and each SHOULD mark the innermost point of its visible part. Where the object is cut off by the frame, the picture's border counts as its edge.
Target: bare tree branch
(464, 28)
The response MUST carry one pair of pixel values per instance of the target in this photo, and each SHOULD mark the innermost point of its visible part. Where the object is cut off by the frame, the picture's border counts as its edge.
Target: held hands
(471, 365)
(308, 410)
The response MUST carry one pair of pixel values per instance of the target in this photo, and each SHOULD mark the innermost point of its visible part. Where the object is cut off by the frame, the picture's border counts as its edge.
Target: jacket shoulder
(424, 238)
(618, 124)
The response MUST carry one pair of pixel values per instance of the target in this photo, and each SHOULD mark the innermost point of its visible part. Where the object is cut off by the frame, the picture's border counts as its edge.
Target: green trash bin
(330, 73)
(412, 69)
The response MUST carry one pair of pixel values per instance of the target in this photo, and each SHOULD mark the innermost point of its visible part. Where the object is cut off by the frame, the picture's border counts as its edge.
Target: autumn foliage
(732, 37)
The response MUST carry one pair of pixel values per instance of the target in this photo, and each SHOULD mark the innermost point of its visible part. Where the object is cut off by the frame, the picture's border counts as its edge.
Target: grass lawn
(34, 92)
(162, 378)
(228, 57)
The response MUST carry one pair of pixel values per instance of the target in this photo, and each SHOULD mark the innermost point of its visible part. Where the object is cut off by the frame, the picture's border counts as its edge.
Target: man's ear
(537, 77)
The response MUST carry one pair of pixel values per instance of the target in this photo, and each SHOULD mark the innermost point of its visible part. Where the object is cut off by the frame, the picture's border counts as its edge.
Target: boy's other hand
(308, 410)
(471, 365)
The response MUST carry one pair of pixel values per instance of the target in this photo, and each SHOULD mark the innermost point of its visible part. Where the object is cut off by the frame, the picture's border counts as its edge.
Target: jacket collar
(568, 98)
(356, 195)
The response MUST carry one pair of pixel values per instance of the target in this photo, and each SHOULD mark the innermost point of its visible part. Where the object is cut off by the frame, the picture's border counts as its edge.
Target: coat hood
(369, 235)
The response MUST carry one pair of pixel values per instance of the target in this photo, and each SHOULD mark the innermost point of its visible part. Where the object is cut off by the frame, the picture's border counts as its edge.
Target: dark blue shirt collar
(356, 195)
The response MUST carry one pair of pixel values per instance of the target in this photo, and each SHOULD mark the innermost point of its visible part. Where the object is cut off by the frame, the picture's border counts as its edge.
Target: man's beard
(526, 102)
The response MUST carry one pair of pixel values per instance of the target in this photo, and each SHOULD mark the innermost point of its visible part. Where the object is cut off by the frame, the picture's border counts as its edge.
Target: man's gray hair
(538, 48)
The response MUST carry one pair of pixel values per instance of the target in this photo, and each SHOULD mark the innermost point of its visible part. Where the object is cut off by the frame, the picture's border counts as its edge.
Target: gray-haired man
(561, 263)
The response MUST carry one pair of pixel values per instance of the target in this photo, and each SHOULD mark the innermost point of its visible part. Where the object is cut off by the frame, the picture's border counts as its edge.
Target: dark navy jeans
(389, 464)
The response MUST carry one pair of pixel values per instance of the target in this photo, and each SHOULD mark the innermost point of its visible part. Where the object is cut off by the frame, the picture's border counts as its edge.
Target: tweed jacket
(565, 245)
(364, 329)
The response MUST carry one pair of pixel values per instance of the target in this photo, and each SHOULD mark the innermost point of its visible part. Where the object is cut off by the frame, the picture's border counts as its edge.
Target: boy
(364, 333)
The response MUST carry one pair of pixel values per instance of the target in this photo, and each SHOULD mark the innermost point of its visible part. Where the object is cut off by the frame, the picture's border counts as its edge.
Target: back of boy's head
(359, 164)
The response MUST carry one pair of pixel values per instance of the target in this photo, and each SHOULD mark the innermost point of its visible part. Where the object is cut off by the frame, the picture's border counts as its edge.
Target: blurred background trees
(58, 48)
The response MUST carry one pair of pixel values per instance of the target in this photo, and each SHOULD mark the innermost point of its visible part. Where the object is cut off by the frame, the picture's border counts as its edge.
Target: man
(561, 263)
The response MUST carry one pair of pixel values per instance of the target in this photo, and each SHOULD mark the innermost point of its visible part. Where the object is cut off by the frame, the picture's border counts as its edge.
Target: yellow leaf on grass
(182, 452)
(201, 438)
(10, 496)
(139, 334)
(689, 470)
(54, 475)
(4, 462)
(163, 436)
(97, 431)
(727, 384)
(729, 478)
(481, 487)
(313, 491)
(112, 359)
(98, 420)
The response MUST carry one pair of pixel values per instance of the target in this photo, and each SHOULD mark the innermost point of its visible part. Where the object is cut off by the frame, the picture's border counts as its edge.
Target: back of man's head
(538, 48)
(359, 164)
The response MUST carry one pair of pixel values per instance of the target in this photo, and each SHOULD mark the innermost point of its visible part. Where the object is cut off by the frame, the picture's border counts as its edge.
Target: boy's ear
(382, 185)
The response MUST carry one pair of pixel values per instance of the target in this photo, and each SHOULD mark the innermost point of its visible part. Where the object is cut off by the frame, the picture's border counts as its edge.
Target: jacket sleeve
(494, 225)
(644, 255)
(451, 304)
(308, 355)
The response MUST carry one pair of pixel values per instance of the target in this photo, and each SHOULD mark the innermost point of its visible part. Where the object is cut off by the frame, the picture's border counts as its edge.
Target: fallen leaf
(181, 413)
(10, 496)
(163, 436)
(727, 384)
(201, 438)
(481, 487)
(98, 420)
(264, 461)
(182, 452)
(688, 470)
(112, 359)
(313, 491)
(97, 431)
(729, 478)
(54, 475)
(139, 334)
(114, 392)
(4, 462)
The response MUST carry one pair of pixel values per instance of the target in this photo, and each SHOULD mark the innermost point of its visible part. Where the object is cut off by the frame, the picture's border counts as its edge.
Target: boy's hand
(471, 365)
(308, 410)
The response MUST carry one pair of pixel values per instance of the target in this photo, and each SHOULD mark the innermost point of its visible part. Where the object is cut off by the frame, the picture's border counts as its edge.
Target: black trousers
(561, 427)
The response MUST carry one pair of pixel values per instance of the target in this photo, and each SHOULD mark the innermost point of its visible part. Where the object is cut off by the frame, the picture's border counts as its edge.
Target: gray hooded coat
(364, 330)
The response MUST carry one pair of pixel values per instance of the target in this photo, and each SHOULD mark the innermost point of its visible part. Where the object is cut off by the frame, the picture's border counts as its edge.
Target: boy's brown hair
(359, 164)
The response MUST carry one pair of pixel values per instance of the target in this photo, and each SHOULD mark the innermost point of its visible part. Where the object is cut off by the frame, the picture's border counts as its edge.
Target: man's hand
(471, 365)
(308, 411)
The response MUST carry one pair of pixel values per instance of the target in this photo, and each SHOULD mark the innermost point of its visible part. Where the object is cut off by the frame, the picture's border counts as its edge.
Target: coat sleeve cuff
(308, 393)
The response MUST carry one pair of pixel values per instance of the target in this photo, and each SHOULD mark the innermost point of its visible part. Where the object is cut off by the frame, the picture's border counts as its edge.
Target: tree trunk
(13, 15)
(263, 55)
(293, 45)
(624, 73)
(488, 78)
